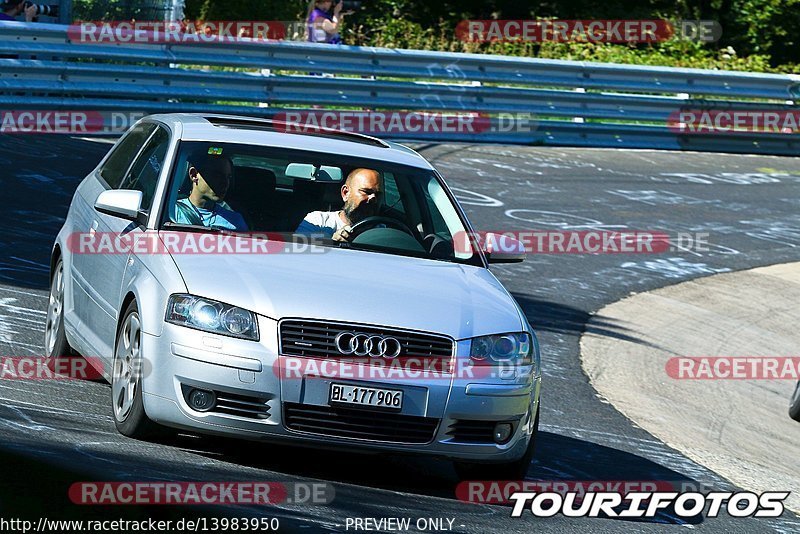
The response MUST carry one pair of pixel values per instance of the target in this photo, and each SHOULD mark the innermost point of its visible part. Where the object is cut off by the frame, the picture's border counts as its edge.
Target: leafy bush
(758, 35)
(402, 33)
(246, 9)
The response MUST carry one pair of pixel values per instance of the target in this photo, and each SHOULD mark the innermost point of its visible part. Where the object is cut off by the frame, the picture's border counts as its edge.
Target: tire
(509, 471)
(126, 381)
(56, 346)
(794, 405)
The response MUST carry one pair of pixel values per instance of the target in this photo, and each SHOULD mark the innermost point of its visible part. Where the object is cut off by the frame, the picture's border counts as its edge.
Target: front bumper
(259, 396)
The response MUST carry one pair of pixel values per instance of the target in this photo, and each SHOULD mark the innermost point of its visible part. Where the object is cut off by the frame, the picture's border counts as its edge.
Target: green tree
(765, 29)
(245, 9)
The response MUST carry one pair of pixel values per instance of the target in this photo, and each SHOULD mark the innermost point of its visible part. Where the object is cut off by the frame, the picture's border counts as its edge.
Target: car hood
(356, 286)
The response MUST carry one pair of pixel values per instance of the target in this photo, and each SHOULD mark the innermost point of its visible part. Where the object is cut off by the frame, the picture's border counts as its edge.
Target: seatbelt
(191, 214)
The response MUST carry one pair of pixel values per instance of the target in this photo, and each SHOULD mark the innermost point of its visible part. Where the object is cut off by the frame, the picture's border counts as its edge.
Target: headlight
(520, 348)
(212, 316)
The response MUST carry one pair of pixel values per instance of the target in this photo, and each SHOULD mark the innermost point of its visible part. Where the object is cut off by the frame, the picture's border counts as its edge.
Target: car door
(109, 175)
(103, 273)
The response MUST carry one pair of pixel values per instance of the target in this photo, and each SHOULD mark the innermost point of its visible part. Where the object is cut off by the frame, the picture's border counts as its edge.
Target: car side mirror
(122, 203)
(501, 248)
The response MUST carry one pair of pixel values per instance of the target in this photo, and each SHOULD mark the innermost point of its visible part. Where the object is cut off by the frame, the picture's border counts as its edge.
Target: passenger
(211, 177)
(361, 193)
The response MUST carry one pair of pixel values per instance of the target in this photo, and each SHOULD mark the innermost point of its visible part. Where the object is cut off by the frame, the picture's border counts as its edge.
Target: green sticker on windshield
(215, 151)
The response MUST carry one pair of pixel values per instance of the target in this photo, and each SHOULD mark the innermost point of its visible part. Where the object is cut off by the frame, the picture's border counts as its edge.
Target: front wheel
(508, 471)
(794, 406)
(126, 380)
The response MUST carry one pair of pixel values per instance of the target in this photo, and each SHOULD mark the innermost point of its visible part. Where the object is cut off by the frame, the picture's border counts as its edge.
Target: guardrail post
(175, 11)
(580, 120)
(64, 11)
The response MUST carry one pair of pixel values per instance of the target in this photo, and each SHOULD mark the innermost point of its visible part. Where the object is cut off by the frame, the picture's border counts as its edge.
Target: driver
(361, 193)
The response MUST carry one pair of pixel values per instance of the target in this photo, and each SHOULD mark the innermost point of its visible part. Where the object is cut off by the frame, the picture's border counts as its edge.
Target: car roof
(218, 128)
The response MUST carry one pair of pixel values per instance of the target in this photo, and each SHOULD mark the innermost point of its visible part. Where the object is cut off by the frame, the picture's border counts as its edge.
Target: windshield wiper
(193, 228)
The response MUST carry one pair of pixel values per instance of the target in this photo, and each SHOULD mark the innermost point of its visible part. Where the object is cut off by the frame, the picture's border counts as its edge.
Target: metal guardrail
(575, 103)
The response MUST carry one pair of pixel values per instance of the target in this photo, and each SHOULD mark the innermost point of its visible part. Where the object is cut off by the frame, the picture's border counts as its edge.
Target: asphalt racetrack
(54, 433)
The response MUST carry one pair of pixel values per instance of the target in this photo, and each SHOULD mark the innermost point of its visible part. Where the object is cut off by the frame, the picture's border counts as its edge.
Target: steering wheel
(371, 222)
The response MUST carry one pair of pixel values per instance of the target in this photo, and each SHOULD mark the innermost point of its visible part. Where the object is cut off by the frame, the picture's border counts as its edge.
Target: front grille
(468, 431)
(316, 339)
(360, 424)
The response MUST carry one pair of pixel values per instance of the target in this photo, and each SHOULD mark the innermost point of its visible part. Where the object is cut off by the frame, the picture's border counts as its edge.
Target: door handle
(93, 229)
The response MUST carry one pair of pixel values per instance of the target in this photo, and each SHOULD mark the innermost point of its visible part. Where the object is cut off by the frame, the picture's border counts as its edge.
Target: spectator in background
(323, 27)
(11, 9)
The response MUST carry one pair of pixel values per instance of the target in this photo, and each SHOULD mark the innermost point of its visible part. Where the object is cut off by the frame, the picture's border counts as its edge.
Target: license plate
(362, 396)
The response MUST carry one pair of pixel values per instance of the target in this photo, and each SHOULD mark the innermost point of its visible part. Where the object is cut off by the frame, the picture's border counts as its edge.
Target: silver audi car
(238, 277)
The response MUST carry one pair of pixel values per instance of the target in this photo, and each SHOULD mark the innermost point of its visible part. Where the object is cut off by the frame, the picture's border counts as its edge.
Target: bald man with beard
(362, 193)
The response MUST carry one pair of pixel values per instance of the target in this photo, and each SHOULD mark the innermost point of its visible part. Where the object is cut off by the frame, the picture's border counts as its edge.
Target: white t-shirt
(321, 222)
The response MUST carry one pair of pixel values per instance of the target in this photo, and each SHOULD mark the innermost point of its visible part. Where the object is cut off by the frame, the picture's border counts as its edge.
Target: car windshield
(385, 207)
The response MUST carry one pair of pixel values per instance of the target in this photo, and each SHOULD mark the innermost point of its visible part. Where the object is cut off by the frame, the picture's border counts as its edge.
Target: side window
(441, 214)
(439, 225)
(143, 174)
(120, 159)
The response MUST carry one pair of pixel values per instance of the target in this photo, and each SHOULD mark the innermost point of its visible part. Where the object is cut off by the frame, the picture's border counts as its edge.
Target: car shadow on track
(549, 316)
(559, 459)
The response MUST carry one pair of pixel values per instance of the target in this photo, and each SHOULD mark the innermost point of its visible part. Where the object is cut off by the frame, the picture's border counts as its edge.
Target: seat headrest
(255, 179)
(325, 195)
(307, 188)
(332, 193)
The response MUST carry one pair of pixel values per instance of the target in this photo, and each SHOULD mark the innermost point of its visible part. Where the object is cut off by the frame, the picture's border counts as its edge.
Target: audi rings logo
(374, 345)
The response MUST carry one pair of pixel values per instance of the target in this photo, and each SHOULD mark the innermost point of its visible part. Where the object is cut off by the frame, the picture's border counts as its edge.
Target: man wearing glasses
(211, 178)
(361, 193)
